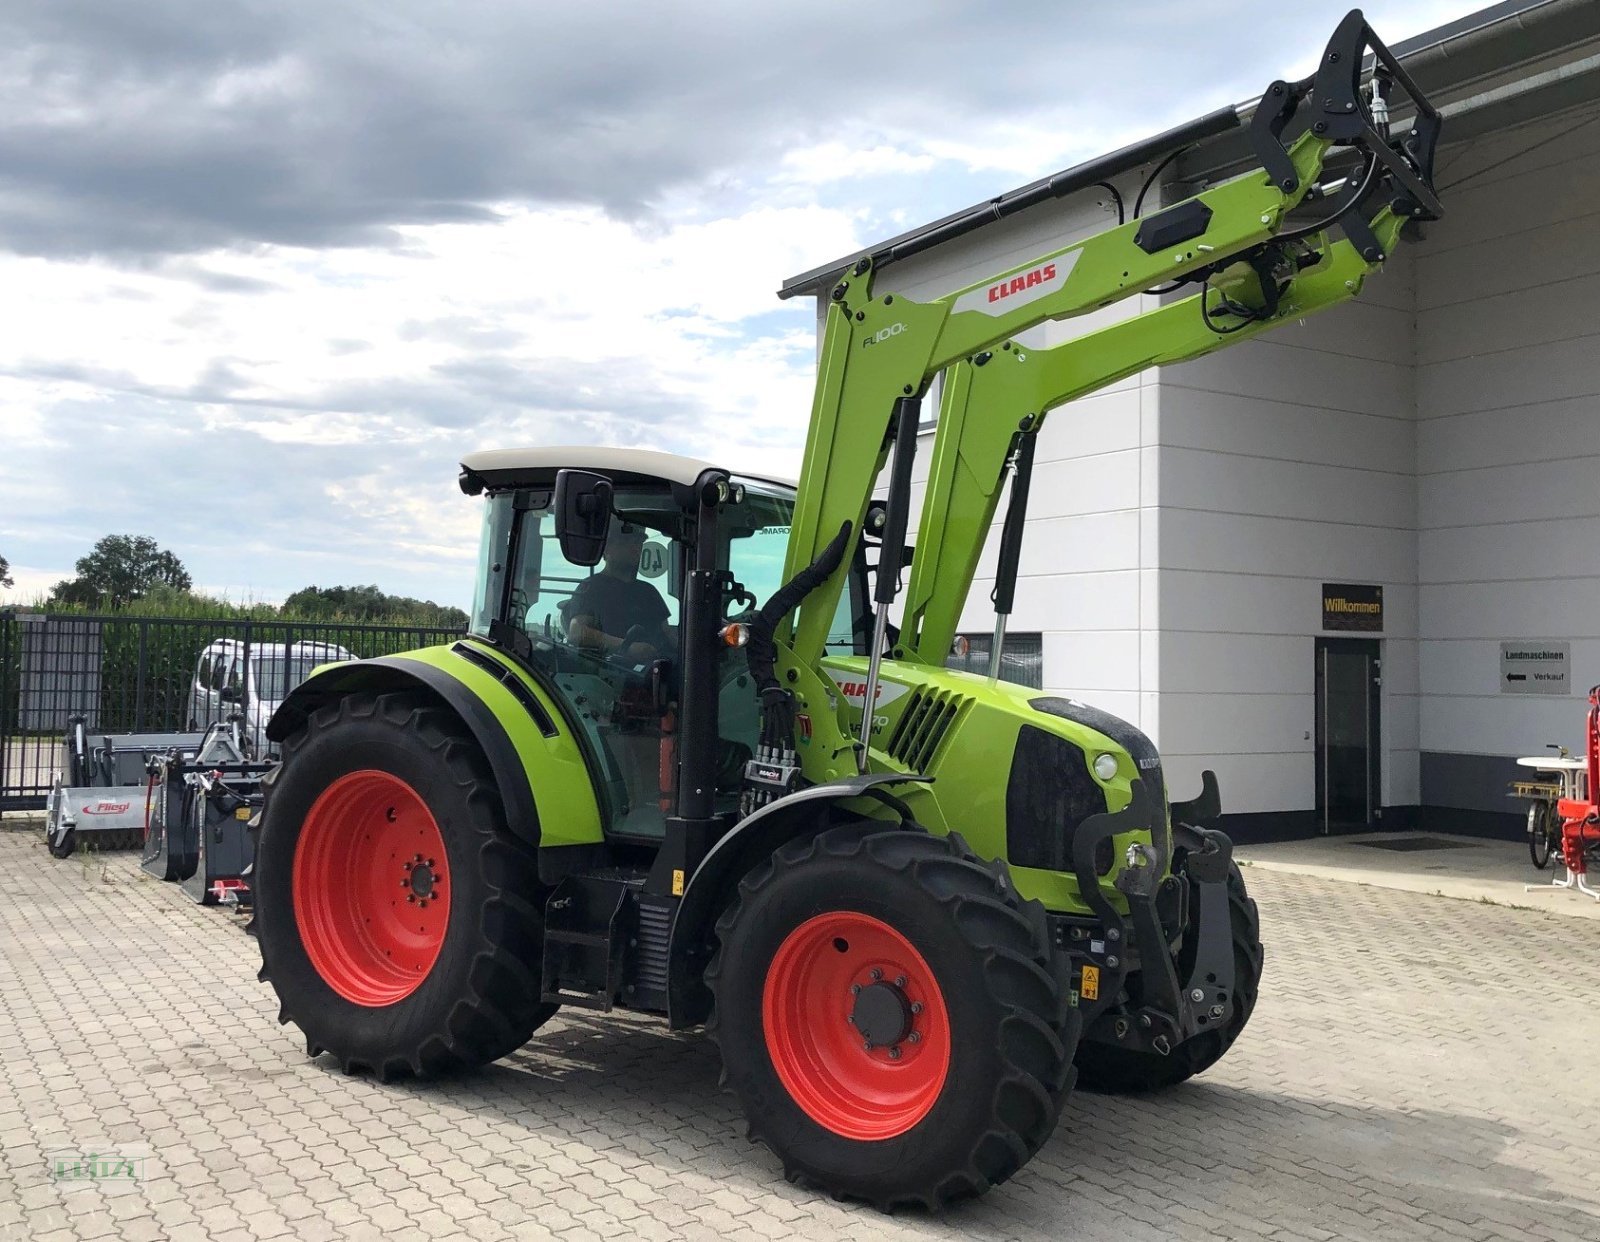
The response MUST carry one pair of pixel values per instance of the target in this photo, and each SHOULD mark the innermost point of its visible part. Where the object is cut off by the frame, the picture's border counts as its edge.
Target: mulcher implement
(699, 756)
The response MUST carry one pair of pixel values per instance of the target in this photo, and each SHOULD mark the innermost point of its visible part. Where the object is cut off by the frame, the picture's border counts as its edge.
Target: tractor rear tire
(1107, 1069)
(399, 919)
(889, 1018)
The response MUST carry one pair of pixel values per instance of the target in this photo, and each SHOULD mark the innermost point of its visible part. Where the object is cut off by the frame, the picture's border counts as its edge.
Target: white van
(225, 681)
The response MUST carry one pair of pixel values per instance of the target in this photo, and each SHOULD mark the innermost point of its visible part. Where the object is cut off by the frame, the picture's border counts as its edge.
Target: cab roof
(518, 466)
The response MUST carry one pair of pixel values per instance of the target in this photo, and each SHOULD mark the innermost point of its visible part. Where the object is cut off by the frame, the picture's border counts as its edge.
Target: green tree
(120, 569)
(5, 572)
(369, 603)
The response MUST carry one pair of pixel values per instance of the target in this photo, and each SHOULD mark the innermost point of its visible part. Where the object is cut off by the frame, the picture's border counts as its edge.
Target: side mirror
(228, 695)
(583, 515)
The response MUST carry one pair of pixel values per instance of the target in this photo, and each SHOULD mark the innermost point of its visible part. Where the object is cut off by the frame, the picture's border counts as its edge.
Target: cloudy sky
(269, 267)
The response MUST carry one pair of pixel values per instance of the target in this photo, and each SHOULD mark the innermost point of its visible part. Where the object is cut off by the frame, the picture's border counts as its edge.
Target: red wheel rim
(837, 981)
(371, 897)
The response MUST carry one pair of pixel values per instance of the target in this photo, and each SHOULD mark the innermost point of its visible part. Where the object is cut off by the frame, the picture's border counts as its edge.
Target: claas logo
(1018, 283)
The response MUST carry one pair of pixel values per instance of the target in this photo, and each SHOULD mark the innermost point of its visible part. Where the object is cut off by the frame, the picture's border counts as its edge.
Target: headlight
(1105, 765)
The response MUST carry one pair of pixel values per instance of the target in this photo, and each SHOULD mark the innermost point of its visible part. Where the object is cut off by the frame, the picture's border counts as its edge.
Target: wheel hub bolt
(855, 989)
(867, 1045)
(916, 1006)
(915, 1037)
(875, 974)
(1217, 1011)
(1197, 996)
(894, 1054)
(899, 981)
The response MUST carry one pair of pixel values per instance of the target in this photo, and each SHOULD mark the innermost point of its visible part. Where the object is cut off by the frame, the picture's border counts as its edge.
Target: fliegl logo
(107, 808)
(883, 334)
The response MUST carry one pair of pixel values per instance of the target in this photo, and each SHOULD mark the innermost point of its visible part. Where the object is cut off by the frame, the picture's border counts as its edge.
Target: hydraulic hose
(761, 651)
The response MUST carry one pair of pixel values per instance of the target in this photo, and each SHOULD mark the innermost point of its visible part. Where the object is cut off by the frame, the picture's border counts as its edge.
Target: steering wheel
(652, 636)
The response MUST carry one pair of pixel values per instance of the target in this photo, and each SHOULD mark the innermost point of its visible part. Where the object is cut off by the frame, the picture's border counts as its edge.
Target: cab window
(756, 551)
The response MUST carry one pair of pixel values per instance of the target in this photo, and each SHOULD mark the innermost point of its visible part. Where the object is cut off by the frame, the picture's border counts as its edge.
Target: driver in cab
(613, 611)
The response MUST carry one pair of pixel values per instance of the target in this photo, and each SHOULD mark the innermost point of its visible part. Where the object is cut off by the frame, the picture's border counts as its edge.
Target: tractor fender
(483, 708)
(803, 813)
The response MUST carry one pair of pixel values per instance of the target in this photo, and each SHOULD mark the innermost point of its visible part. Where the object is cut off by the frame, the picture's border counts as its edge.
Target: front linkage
(1165, 903)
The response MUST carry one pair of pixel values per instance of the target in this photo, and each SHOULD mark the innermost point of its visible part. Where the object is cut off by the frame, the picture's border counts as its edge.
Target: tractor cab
(606, 639)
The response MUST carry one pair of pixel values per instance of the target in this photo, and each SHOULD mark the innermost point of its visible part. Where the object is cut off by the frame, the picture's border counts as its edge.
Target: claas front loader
(728, 779)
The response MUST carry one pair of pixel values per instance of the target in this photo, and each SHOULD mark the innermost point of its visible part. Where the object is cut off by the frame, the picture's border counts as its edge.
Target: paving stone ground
(1418, 1067)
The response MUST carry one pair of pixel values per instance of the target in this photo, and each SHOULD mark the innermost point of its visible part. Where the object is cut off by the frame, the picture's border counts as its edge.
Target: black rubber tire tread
(1539, 843)
(1105, 1068)
(69, 842)
(480, 1001)
(1013, 1037)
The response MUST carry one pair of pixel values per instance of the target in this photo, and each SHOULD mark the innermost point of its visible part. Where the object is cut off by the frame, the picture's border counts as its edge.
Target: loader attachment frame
(1325, 150)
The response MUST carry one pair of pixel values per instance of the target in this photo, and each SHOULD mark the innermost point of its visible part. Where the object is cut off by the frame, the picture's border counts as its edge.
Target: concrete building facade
(1201, 535)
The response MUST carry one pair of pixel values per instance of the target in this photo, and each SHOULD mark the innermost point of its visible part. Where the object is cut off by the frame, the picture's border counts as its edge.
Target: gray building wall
(1284, 463)
(1508, 443)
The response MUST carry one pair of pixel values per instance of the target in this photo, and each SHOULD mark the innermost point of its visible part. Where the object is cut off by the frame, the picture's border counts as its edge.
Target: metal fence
(156, 675)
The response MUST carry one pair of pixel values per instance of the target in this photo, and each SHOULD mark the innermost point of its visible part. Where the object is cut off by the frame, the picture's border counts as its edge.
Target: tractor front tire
(399, 919)
(1105, 1068)
(888, 1016)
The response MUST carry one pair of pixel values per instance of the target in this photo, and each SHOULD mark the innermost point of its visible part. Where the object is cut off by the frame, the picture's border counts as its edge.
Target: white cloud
(548, 326)
(291, 410)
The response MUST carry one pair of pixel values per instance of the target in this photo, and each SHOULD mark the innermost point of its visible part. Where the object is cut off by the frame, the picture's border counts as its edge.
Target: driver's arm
(584, 631)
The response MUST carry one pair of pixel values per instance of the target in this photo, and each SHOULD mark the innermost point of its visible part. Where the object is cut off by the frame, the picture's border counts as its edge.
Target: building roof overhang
(1503, 65)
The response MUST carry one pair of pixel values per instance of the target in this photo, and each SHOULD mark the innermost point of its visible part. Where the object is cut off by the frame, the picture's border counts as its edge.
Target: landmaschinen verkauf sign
(1529, 666)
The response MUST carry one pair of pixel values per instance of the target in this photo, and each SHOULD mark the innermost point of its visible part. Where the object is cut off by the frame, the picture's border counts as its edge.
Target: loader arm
(1316, 141)
(988, 399)
(878, 350)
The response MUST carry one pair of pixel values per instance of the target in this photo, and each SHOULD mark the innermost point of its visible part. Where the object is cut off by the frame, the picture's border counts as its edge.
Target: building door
(1349, 675)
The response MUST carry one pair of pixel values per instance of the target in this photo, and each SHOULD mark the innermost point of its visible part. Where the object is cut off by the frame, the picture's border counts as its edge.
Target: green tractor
(700, 756)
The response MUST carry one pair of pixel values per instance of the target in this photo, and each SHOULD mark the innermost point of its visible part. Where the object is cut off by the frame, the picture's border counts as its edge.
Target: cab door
(623, 701)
